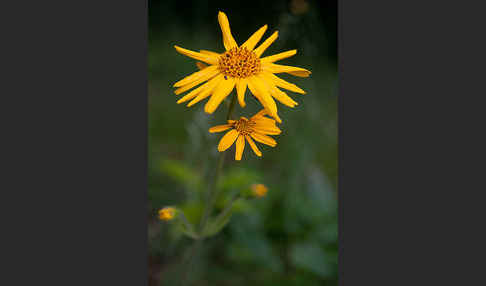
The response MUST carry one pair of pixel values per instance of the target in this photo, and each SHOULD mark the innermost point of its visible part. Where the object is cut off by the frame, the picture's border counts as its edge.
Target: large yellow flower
(240, 66)
(257, 127)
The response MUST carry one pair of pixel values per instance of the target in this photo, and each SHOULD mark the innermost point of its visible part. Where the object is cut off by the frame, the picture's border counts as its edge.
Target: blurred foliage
(288, 237)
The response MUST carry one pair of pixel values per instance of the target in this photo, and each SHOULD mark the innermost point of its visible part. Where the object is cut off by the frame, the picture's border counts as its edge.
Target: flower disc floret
(239, 67)
(257, 128)
(239, 63)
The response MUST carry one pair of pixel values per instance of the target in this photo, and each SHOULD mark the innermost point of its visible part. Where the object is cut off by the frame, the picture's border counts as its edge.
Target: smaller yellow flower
(257, 127)
(259, 190)
(167, 213)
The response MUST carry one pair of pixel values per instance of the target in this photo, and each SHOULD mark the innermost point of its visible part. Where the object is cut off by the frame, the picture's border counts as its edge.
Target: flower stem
(219, 219)
(188, 263)
(231, 107)
(210, 201)
(213, 190)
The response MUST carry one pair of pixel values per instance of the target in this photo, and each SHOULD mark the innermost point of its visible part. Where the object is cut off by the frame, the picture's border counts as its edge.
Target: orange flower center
(244, 126)
(239, 63)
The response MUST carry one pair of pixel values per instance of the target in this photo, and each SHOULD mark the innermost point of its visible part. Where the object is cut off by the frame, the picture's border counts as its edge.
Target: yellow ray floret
(237, 68)
(257, 128)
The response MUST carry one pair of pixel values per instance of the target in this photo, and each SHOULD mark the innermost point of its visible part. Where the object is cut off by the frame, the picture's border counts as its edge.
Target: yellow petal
(263, 139)
(228, 40)
(193, 93)
(255, 38)
(277, 93)
(227, 140)
(259, 114)
(211, 53)
(259, 51)
(263, 121)
(220, 128)
(283, 97)
(253, 146)
(277, 57)
(198, 56)
(196, 76)
(266, 126)
(220, 93)
(240, 146)
(282, 83)
(240, 90)
(211, 85)
(255, 93)
(260, 90)
(208, 75)
(275, 68)
(201, 66)
(269, 130)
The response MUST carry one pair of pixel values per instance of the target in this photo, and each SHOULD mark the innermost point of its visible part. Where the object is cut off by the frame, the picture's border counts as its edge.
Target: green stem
(210, 201)
(188, 263)
(213, 190)
(219, 219)
(231, 107)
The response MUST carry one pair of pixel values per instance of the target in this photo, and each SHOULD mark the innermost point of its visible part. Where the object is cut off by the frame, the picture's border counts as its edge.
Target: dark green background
(290, 236)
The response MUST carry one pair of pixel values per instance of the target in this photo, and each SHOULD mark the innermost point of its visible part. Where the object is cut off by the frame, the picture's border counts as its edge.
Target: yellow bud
(259, 190)
(167, 213)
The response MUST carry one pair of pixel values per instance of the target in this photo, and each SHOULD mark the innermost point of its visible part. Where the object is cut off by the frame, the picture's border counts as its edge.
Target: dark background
(74, 143)
(289, 237)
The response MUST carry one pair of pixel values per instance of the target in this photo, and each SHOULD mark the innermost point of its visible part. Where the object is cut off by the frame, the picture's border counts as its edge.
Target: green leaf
(181, 173)
(189, 231)
(193, 211)
(214, 227)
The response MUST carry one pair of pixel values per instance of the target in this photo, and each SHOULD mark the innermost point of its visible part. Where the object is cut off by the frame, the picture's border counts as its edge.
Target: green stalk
(210, 201)
(219, 219)
(188, 263)
(213, 191)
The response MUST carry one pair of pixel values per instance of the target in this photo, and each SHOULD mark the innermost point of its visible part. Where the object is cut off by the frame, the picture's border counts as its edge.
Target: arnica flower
(257, 127)
(259, 190)
(240, 67)
(167, 213)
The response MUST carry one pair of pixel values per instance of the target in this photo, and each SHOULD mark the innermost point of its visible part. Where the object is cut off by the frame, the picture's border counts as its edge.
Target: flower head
(259, 190)
(240, 67)
(167, 213)
(257, 127)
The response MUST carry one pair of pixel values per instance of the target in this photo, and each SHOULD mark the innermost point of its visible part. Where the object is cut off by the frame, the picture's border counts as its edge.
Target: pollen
(244, 126)
(239, 63)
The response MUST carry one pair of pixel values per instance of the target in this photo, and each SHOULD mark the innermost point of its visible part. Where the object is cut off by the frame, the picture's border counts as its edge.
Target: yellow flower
(259, 190)
(167, 213)
(240, 66)
(257, 127)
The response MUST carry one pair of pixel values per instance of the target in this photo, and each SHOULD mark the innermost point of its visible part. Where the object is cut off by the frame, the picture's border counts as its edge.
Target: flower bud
(259, 190)
(167, 213)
